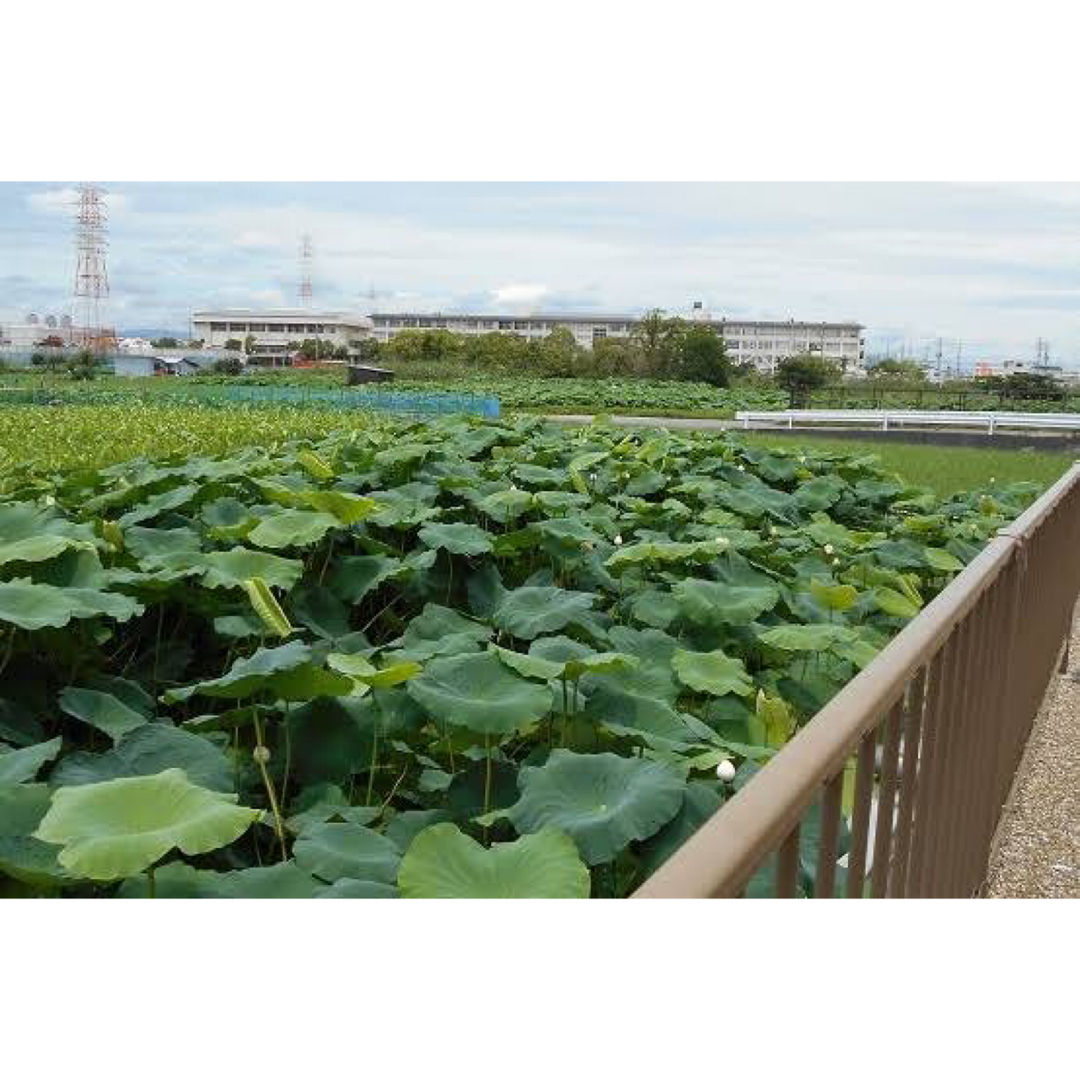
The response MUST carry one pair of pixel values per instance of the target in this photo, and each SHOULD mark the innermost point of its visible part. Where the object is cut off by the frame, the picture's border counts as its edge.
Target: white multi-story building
(762, 343)
(278, 333)
(37, 331)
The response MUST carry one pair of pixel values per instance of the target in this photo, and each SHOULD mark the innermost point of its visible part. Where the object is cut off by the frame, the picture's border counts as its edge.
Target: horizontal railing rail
(896, 786)
(896, 418)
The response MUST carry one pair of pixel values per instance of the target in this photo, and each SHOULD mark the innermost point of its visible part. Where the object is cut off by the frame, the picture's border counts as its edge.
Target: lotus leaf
(603, 801)
(443, 863)
(118, 828)
(476, 691)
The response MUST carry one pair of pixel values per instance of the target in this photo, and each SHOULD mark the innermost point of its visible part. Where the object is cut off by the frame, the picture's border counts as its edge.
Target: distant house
(162, 364)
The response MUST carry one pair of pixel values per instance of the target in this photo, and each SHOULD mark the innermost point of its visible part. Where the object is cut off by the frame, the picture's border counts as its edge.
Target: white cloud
(518, 295)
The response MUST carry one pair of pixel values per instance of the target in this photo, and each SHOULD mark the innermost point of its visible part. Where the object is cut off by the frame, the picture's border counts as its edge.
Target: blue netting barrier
(413, 403)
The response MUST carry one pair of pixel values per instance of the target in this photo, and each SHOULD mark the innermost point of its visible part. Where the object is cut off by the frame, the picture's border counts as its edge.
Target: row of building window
(263, 328)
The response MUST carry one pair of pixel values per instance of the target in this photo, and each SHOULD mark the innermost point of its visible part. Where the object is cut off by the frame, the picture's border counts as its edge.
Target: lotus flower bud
(618, 540)
(725, 771)
(828, 549)
(261, 754)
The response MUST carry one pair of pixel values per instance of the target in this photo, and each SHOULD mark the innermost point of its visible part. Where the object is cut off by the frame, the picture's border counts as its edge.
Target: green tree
(558, 353)
(907, 371)
(801, 375)
(165, 343)
(249, 344)
(702, 356)
(229, 365)
(232, 345)
(82, 366)
(660, 339)
(613, 356)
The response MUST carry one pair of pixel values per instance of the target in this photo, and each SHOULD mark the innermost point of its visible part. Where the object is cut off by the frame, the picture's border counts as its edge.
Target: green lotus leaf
(354, 576)
(603, 801)
(700, 802)
(156, 504)
(533, 610)
(32, 606)
(150, 545)
(894, 603)
(943, 560)
(104, 711)
(456, 538)
(118, 828)
(714, 603)
(292, 528)
(145, 751)
(834, 597)
(40, 548)
(351, 889)
(230, 569)
(712, 672)
(772, 723)
(436, 623)
(443, 863)
(505, 506)
(22, 856)
(532, 667)
(343, 505)
(179, 881)
(403, 827)
(287, 671)
(646, 719)
(478, 692)
(808, 637)
(19, 765)
(341, 849)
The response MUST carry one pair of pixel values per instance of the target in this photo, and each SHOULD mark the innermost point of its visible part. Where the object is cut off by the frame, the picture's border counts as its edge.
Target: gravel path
(1039, 849)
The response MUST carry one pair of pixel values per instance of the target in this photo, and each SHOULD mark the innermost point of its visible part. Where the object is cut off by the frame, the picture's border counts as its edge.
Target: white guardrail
(898, 418)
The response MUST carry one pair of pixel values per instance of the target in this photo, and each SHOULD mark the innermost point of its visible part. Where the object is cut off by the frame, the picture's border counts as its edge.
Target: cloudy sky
(991, 266)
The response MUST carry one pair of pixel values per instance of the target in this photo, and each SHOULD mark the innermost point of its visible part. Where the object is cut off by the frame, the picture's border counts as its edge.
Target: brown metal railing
(928, 736)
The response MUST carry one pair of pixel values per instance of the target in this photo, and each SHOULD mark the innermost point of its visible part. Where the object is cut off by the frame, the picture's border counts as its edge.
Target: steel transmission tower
(91, 273)
(306, 259)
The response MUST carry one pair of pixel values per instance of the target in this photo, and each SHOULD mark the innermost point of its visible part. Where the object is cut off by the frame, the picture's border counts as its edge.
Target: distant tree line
(659, 347)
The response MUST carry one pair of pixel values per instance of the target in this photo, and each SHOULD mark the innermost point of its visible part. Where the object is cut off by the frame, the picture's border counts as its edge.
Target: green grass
(945, 469)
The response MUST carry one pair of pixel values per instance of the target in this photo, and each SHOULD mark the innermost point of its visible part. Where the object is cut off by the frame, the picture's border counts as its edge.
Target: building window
(219, 327)
(237, 328)
(506, 324)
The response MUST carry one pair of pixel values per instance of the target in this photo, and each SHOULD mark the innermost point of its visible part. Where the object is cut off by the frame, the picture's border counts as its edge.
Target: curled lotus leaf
(118, 828)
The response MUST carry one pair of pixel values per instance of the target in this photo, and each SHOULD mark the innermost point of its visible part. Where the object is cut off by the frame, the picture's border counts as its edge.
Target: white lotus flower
(725, 771)
(828, 549)
(618, 540)
(741, 468)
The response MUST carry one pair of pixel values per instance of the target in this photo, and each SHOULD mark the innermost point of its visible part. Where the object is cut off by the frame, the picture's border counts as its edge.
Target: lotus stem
(487, 781)
(262, 756)
(151, 884)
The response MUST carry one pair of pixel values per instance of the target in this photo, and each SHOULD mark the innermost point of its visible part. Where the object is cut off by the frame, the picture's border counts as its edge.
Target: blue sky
(992, 265)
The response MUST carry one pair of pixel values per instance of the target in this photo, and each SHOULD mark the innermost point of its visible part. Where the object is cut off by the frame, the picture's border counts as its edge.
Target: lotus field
(461, 658)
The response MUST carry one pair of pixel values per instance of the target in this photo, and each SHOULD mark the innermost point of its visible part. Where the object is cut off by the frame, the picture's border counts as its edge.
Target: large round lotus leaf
(810, 637)
(19, 765)
(120, 827)
(147, 750)
(457, 539)
(443, 863)
(646, 719)
(35, 605)
(341, 849)
(712, 672)
(230, 569)
(178, 881)
(714, 603)
(602, 800)
(292, 528)
(533, 610)
(478, 692)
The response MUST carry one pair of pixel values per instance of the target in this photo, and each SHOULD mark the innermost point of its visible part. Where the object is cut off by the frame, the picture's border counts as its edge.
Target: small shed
(365, 373)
